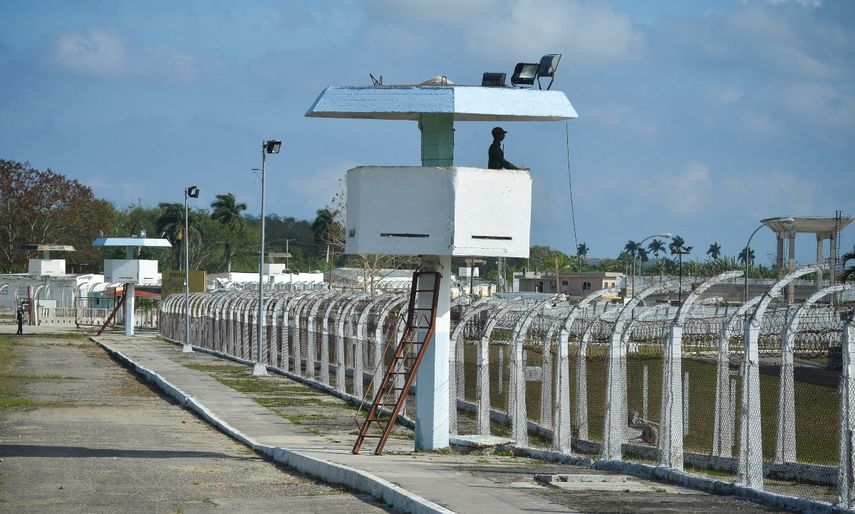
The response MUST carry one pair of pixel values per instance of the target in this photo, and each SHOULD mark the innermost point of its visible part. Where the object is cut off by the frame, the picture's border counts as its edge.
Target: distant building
(570, 283)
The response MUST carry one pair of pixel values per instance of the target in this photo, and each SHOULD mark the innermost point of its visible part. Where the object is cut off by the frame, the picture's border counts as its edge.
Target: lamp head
(193, 192)
(665, 234)
(524, 74)
(272, 146)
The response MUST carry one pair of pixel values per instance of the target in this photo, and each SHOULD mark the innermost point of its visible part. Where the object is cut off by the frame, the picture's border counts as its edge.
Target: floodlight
(524, 74)
(547, 68)
(272, 146)
(193, 192)
(493, 79)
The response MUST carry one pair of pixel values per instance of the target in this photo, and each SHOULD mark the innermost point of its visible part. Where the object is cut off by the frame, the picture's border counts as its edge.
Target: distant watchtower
(438, 210)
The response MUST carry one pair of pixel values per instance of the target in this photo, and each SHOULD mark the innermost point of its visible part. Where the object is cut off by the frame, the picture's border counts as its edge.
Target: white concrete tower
(438, 210)
(131, 271)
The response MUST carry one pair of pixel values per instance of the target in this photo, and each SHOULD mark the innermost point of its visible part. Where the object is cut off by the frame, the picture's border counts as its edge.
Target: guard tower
(130, 270)
(45, 266)
(823, 228)
(438, 210)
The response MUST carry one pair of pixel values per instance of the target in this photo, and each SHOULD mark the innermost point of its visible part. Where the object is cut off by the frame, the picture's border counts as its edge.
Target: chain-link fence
(748, 394)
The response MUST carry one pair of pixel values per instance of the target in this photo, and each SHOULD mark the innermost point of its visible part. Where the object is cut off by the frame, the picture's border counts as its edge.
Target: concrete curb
(681, 478)
(327, 471)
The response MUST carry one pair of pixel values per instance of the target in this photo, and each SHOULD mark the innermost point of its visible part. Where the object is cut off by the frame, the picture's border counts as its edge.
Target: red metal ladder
(392, 393)
(119, 305)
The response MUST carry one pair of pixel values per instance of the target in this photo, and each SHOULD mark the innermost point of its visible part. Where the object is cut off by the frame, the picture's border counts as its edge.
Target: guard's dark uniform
(497, 160)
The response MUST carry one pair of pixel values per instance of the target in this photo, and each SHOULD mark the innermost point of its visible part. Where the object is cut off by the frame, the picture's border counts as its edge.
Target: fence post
(845, 477)
(750, 433)
(685, 403)
(562, 418)
(516, 394)
(644, 393)
(671, 438)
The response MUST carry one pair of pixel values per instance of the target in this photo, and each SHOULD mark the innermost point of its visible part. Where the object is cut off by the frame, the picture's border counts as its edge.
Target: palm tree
(325, 226)
(228, 212)
(329, 231)
(677, 245)
(749, 258)
(170, 224)
(848, 273)
(631, 247)
(581, 253)
(714, 251)
(656, 246)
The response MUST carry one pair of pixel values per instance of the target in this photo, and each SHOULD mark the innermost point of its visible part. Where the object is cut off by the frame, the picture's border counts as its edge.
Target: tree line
(46, 207)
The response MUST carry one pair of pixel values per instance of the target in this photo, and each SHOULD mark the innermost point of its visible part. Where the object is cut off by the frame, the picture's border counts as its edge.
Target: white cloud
(122, 192)
(623, 117)
(813, 4)
(103, 52)
(790, 42)
(686, 191)
(94, 52)
(824, 104)
(437, 11)
(723, 94)
(583, 32)
(319, 187)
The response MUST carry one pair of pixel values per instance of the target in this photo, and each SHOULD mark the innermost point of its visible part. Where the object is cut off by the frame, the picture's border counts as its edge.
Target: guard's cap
(499, 130)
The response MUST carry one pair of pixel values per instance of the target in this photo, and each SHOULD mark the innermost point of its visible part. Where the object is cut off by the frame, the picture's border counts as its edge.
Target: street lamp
(190, 192)
(680, 251)
(786, 220)
(663, 234)
(270, 146)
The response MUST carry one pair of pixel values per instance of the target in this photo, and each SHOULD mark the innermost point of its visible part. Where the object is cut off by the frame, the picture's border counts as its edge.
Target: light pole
(270, 146)
(680, 251)
(747, 251)
(641, 247)
(190, 192)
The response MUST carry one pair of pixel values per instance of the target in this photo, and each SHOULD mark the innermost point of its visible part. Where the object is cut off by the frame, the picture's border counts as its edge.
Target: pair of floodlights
(526, 73)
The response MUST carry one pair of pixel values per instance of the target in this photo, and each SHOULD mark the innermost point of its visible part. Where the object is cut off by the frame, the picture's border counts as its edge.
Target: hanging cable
(570, 184)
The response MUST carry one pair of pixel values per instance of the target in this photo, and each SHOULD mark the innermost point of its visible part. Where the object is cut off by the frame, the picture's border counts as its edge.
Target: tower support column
(129, 310)
(437, 139)
(432, 388)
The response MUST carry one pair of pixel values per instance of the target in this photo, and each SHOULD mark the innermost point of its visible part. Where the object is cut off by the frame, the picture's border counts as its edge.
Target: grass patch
(16, 376)
(216, 368)
(252, 385)
(16, 402)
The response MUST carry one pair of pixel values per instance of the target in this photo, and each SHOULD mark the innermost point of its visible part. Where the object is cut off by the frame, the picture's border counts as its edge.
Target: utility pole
(329, 270)
(288, 254)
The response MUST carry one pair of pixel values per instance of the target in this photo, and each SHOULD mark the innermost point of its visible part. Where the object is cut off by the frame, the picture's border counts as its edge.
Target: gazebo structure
(45, 266)
(823, 228)
(438, 210)
(131, 271)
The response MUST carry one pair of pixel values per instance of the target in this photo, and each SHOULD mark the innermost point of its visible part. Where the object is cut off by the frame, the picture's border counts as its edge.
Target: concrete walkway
(415, 482)
(79, 433)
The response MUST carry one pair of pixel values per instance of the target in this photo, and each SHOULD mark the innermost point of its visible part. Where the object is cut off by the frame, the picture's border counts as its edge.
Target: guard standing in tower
(496, 154)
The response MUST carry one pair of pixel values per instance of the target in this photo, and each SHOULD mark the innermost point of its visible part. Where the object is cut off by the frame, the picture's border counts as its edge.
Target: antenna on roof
(376, 82)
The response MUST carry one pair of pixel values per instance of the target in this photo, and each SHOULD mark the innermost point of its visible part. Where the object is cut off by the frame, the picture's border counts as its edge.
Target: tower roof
(810, 224)
(466, 103)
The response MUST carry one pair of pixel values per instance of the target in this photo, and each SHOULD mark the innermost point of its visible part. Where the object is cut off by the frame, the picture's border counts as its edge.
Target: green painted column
(437, 139)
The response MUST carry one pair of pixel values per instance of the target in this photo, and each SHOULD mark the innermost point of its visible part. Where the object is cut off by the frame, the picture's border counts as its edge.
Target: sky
(695, 118)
